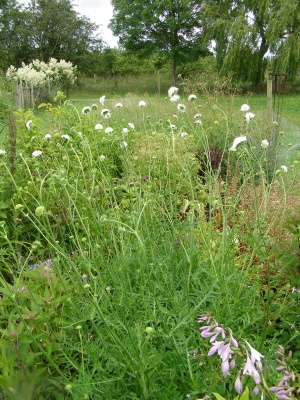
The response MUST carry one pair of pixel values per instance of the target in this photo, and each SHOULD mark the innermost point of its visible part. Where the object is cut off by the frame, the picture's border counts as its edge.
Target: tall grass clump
(128, 224)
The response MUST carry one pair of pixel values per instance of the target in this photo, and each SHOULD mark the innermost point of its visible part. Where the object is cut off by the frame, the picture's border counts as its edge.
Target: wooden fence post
(269, 101)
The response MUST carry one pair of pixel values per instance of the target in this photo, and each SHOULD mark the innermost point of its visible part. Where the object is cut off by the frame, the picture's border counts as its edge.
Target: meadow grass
(114, 244)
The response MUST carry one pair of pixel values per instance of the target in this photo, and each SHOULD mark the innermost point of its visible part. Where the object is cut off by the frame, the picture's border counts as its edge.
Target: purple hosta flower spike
(255, 357)
(238, 384)
(250, 369)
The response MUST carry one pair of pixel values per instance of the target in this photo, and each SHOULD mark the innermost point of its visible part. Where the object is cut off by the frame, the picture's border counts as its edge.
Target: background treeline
(240, 39)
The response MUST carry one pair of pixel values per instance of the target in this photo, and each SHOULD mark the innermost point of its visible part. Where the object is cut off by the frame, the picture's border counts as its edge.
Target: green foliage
(45, 29)
(110, 252)
(171, 28)
(244, 33)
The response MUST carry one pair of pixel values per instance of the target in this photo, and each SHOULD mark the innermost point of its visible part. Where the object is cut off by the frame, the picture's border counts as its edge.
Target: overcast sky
(99, 12)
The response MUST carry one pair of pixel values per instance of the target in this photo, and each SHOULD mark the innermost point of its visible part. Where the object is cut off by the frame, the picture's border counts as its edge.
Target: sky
(99, 12)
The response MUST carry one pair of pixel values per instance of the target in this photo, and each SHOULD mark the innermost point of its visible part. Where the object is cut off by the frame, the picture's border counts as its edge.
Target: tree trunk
(174, 66)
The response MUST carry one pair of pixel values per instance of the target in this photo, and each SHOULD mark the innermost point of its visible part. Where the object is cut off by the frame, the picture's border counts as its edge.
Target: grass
(141, 240)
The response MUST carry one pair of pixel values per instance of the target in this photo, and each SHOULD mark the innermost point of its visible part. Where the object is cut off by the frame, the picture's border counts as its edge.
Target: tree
(168, 27)
(14, 36)
(59, 31)
(248, 32)
(45, 29)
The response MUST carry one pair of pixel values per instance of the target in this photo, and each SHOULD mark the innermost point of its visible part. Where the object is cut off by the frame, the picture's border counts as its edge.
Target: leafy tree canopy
(171, 27)
(45, 29)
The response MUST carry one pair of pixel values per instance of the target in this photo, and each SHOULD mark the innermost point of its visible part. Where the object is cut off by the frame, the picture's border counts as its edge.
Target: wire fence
(152, 83)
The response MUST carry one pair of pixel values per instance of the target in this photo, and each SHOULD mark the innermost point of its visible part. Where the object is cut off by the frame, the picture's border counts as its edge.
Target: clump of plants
(109, 254)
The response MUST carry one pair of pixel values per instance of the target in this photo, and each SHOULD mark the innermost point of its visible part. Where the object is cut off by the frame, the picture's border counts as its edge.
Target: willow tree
(171, 27)
(248, 32)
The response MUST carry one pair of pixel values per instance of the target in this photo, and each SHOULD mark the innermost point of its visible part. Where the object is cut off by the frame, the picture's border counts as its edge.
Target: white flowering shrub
(44, 77)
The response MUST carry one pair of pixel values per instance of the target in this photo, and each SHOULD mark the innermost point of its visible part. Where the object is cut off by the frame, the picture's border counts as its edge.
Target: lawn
(147, 255)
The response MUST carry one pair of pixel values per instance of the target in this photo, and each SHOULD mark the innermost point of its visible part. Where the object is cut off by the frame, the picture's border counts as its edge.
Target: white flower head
(175, 98)
(125, 131)
(66, 137)
(86, 110)
(248, 116)
(105, 113)
(198, 122)
(102, 157)
(2, 152)
(181, 107)
(108, 130)
(284, 168)
(173, 127)
(245, 108)
(94, 107)
(29, 124)
(123, 145)
(102, 100)
(192, 97)
(36, 153)
(98, 127)
(142, 103)
(184, 134)
(265, 143)
(173, 90)
(237, 141)
(47, 136)
(130, 124)
(118, 105)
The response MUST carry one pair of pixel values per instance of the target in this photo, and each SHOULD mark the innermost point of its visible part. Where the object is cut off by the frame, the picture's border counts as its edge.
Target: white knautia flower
(119, 105)
(98, 127)
(198, 122)
(245, 108)
(284, 168)
(248, 116)
(197, 116)
(36, 153)
(47, 136)
(125, 131)
(175, 98)
(102, 100)
(105, 113)
(28, 124)
(86, 110)
(2, 152)
(123, 145)
(181, 107)
(130, 124)
(108, 130)
(173, 127)
(184, 134)
(237, 141)
(264, 144)
(192, 97)
(94, 107)
(102, 157)
(66, 137)
(173, 90)
(142, 103)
